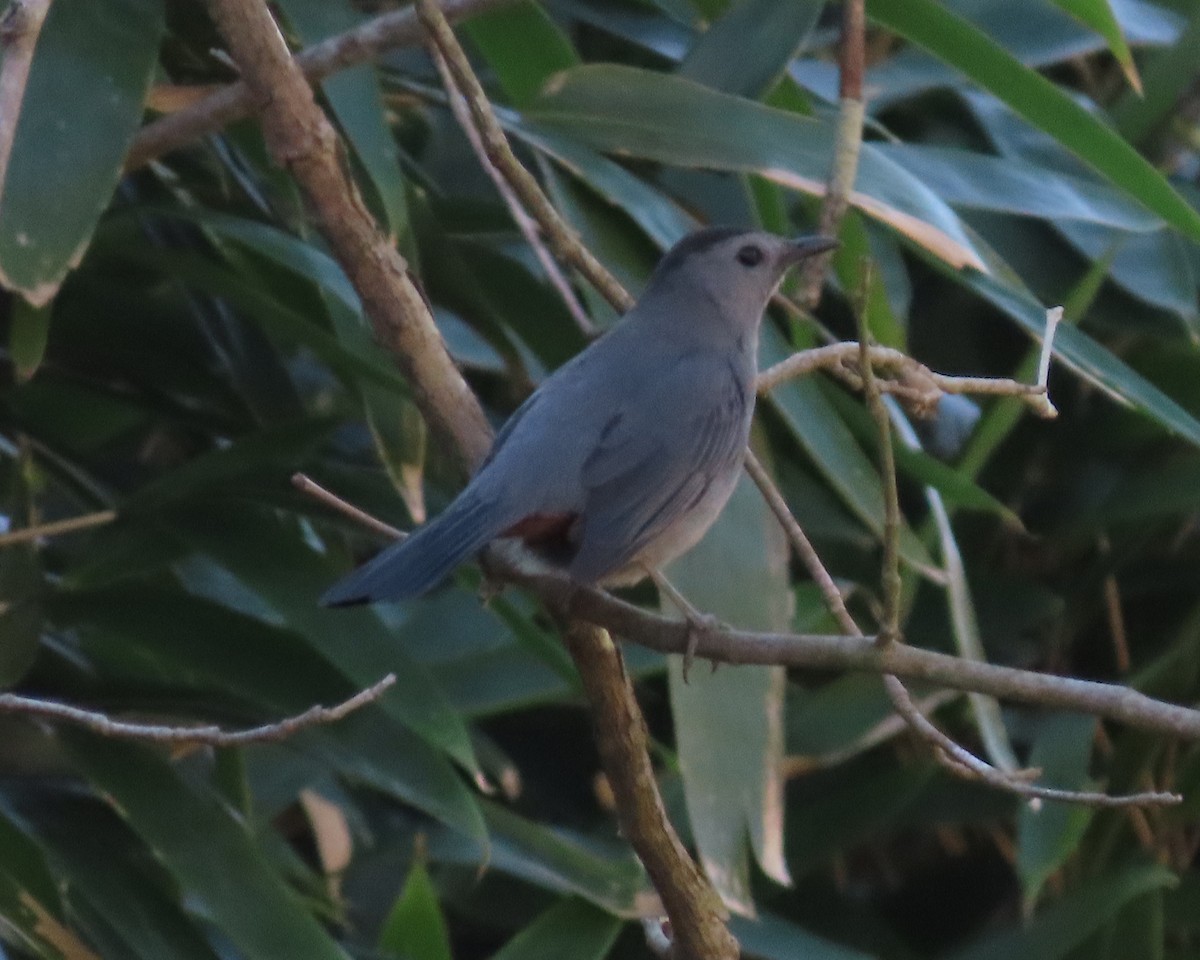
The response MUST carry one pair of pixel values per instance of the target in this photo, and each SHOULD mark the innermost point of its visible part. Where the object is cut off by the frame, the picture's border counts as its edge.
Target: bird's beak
(804, 247)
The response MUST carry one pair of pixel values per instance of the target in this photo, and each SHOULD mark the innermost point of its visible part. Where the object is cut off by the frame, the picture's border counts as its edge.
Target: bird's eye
(750, 256)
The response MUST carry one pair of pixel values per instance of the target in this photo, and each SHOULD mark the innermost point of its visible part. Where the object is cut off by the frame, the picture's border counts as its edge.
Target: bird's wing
(650, 467)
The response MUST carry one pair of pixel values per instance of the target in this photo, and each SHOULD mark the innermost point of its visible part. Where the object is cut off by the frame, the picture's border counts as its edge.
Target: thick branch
(698, 930)
(102, 723)
(364, 43)
(863, 654)
(301, 138)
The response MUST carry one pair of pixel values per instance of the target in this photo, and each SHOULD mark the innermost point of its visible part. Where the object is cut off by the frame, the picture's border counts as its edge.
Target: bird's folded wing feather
(647, 473)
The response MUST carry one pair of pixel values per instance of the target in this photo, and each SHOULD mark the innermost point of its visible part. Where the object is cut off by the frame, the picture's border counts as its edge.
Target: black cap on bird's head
(733, 266)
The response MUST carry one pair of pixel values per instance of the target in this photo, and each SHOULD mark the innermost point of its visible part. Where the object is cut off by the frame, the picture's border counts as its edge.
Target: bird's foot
(698, 624)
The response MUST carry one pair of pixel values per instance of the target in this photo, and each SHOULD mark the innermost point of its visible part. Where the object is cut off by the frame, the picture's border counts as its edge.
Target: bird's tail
(417, 564)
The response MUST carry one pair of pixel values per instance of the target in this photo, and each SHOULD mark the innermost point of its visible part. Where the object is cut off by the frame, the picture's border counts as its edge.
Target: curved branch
(863, 654)
(301, 138)
(364, 43)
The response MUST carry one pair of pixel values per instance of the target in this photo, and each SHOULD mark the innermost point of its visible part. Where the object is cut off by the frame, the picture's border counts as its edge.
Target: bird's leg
(697, 622)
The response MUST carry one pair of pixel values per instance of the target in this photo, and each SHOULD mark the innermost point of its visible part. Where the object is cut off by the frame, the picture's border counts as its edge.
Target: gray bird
(622, 459)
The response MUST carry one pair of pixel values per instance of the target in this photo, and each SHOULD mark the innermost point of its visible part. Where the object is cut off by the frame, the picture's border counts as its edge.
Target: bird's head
(734, 269)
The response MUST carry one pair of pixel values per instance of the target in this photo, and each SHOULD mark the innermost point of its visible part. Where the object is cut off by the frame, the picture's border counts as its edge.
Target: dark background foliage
(180, 366)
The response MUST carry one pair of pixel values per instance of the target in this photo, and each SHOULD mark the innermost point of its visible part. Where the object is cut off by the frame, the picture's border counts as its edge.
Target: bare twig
(306, 484)
(847, 143)
(19, 28)
(1053, 318)
(364, 43)
(57, 528)
(890, 575)
(525, 223)
(561, 238)
(853, 651)
(910, 380)
(11, 703)
(301, 138)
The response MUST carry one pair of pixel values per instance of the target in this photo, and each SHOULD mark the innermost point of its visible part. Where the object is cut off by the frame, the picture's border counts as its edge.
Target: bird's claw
(698, 624)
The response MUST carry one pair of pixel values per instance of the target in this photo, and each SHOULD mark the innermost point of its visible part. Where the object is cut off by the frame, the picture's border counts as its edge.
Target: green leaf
(212, 855)
(128, 910)
(230, 653)
(1012, 184)
(82, 105)
(747, 49)
(729, 724)
(571, 928)
(28, 332)
(1055, 931)
(1098, 14)
(357, 102)
(1165, 75)
(1089, 359)
(415, 928)
(837, 455)
(774, 938)
(670, 120)
(288, 592)
(604, 873)
(523, 46)
(1048, 834)
(960, 44)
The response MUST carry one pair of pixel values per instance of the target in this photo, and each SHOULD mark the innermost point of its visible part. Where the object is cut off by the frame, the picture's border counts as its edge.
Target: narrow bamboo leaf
(729, 724)
(1166, 74)
(128, 910)
(83, 102)
(1055, 931)
(960, 44)
(357, 102)
(1098, 14)
(523, 46)
(747, 49)
(1047, 836)
(212, 855)
(1139, 930)
(230, 653)
(572, 928)
(774, 938)
(31, 908)
(963, 621)
(1014, 185)
(642, 114)
(415, 928)
(1089, 359)
(28, 332)
(605, 874)
(832, 446)
(288, 593)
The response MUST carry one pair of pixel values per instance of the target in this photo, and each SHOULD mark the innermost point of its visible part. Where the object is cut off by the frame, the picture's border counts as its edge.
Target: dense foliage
(179, 346)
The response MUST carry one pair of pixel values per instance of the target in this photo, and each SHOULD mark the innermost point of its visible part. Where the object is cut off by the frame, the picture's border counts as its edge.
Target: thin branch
(914, 383)
(101, 723)
(364, 43)
(834, 652)
(847, 144)
(890, 575)
(57, 528)
(561, 238)
(306, 484)
(301, 138)
(20, 25)
(525, 223)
